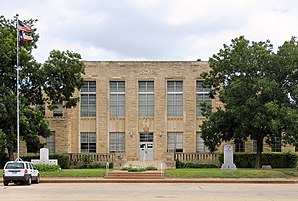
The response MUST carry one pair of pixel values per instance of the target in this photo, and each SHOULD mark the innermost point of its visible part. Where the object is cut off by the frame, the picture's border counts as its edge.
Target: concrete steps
(120, 174)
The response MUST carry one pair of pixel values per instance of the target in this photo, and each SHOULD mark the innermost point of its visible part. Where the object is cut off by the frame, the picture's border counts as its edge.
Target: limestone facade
(69, 127)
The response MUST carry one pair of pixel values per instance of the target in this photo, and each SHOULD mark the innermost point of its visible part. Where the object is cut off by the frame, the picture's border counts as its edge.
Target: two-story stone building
(142, 109)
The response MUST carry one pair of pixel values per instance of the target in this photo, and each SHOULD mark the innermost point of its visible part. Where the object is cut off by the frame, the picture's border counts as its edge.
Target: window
(117, 98)
(240, 146)
(88, 142)
(201, 148)
(254, 146)
(175, 98)
(41, 108)
(175, 142)
(117, 142)
(146, 98)
(50, 143)
(58, 112)
(276, 146)
(88, 99)
(202, 96)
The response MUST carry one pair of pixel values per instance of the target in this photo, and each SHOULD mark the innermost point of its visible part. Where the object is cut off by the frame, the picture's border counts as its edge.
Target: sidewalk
(167, 180)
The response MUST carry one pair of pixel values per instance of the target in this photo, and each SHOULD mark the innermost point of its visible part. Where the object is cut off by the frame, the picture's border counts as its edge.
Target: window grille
(175, 98)
(146, 98)
(88, 99)
(117, 98)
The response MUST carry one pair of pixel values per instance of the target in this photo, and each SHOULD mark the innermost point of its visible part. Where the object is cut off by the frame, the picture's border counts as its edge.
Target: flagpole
(18, 104)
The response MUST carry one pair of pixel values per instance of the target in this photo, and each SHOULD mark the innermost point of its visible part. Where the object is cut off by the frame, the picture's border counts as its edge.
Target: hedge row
(179, 164)
(275, 160)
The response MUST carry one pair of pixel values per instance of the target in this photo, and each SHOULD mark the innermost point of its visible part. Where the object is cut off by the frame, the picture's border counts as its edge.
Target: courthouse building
(141, 109)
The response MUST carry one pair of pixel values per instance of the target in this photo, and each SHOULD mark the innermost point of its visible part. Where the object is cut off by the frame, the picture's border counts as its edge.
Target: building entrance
(146, 147)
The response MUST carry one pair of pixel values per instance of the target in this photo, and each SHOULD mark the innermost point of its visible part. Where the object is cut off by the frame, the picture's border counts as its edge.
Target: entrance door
(146, 148)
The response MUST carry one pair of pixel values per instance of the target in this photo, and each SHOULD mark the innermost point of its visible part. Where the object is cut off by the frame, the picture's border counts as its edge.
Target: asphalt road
(148, 191)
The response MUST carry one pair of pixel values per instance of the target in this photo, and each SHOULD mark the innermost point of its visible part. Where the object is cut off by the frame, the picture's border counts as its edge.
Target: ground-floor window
(201, 148)
(254, 146)
(117, 142)
(88, 142)
(240, 146)
(276, 146)
(50, 143)
(175, 142)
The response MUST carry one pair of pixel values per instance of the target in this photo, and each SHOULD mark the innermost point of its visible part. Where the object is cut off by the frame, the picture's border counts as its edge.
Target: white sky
(102, 30)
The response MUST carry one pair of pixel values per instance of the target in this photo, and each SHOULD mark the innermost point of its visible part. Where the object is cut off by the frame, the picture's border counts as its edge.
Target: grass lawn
(186, 173)
(239, 173)
(75, 173)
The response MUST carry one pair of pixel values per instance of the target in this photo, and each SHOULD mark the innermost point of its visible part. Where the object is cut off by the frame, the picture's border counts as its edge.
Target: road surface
(148, 192)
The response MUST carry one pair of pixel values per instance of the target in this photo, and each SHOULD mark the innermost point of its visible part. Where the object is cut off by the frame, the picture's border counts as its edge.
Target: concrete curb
(167, 180)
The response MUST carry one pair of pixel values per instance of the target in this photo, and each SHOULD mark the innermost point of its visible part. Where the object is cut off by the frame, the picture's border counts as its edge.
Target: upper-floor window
(88, 99)
(175, 98)
(202, 96)
(146, 98)
(117, 98)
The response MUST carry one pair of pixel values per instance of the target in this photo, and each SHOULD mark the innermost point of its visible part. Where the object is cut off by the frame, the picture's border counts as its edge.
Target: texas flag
(24, 38)
(24, 27)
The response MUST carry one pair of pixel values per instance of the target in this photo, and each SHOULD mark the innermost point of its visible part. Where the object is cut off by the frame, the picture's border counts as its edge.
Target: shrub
(63, 160)
(179, 164)
(93, 165)
(151, 168)
(45, 168)
(138, 169)
(275, 160)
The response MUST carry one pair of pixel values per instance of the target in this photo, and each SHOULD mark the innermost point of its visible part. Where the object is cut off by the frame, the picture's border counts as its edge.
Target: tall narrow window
(201, 148)
(88, 142)
(255, 146)
(202, 96)
(41, 108)
(276, 146)
(240, 146)
(175, 142)
(117, 98)
(58, 112)
(117, 142)
(88, 99)
(50, 143)
(175, 98)
(146, 98)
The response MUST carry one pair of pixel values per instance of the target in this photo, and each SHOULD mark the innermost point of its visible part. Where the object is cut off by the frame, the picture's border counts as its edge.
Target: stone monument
(228, 158)
(44, 158)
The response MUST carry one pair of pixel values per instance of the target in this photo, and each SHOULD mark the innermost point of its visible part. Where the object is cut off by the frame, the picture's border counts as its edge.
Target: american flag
(24, 27)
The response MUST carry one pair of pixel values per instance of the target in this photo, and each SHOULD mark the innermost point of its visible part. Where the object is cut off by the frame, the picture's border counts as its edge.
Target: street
(148, 191)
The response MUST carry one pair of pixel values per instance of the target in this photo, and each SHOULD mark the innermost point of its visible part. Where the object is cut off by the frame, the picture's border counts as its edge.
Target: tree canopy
(258, 89)
(51, 83)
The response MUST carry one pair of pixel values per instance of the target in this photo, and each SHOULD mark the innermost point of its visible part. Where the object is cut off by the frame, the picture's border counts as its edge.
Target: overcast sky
(103, 30)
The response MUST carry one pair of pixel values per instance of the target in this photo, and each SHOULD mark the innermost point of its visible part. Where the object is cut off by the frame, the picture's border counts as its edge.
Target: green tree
(51, 83)
(258, 89)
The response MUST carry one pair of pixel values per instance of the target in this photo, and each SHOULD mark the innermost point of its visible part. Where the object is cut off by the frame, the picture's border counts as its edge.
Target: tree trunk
(259, 152)
(10, 154)
(10, 147)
